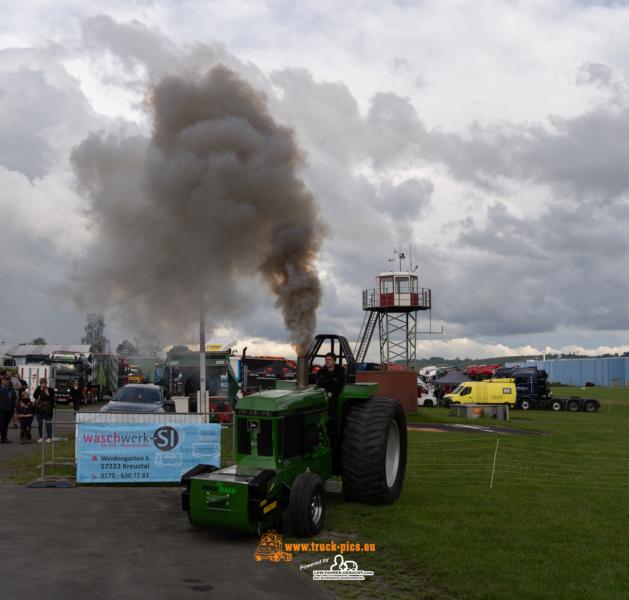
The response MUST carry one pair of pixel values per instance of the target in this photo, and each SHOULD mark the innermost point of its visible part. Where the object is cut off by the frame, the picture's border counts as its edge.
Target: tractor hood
(273, 402)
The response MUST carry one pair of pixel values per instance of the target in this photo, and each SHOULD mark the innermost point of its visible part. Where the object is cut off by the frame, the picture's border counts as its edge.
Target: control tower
(393, 306)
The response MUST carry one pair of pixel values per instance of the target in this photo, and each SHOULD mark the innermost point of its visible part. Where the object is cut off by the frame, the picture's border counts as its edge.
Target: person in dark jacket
(332, 377)
(44, 409)
(16, 384)
(76, 395)
(7, 407)
(25, 414)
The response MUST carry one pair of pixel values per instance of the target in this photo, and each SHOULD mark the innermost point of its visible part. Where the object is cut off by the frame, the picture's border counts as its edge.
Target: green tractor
(290, 442)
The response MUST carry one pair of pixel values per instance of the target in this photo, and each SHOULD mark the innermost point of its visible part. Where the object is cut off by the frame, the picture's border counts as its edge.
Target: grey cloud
(31, 304)
(39, 105)
(404, 204)
(135, 44)
(132, 42)
(597, 73)
(570, 275)
(325, 114)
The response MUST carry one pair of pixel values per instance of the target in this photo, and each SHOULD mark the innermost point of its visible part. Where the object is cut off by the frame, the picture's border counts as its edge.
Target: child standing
(25, 414)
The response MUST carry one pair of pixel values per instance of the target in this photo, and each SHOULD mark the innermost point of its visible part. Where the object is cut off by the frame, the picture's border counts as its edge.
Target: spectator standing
(16, 384)
(25, 414)
(44, 409)
(7, 407)
(76, 395)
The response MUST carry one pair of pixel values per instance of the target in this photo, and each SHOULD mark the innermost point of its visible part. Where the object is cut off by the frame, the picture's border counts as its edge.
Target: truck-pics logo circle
(166, 438)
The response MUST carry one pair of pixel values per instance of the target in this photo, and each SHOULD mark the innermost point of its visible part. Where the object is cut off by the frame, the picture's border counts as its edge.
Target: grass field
(553, 526)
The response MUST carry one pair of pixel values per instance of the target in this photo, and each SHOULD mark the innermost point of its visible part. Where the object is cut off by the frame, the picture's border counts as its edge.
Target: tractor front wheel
(374, 451)
(306, 506)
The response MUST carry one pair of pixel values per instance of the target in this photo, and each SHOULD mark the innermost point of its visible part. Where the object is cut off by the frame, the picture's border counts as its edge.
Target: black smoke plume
(212, 201)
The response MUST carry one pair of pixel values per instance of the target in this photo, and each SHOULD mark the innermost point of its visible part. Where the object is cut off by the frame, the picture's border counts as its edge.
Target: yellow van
(490, 391)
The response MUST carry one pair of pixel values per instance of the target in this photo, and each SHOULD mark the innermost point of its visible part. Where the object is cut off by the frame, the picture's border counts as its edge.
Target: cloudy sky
(491, 137)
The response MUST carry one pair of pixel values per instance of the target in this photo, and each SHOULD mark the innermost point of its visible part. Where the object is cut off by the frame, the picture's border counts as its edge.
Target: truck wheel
(525, 405)
(428, 403)
(590, 406)
(573, 405)
(306, 505)
(374, 451)
(555, 405)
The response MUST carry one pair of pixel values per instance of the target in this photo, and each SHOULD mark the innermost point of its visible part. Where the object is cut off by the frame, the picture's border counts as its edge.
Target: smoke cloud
(212, 201)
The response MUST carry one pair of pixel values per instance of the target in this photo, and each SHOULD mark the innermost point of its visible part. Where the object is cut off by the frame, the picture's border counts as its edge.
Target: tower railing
(417, 300)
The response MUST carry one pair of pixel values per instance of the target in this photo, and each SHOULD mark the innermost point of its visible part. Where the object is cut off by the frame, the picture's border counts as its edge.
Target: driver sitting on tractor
(332, 377)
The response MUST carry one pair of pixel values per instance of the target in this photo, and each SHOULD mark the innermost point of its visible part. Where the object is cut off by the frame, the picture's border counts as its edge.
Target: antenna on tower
(413, 268)
(401, 256)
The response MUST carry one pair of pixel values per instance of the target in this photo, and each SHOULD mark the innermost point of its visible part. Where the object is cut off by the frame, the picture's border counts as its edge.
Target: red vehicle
(481, 372)
(221, 409)
(123, 372)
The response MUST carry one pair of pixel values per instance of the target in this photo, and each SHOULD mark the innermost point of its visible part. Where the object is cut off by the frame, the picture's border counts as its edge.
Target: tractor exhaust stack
(302, 371)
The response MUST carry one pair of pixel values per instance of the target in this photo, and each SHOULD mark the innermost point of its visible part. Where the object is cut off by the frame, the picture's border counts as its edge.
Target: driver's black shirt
(332, 381)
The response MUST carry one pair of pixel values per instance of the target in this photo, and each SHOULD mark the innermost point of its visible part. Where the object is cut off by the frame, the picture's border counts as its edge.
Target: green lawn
(553, 526)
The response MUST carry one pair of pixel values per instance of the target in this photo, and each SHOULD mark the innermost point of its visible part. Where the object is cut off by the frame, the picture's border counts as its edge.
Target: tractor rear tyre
(306, 505)
(573, 405)
(374, 451)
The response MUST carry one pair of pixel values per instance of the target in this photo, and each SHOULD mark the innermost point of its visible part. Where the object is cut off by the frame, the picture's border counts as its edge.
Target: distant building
(607, 372)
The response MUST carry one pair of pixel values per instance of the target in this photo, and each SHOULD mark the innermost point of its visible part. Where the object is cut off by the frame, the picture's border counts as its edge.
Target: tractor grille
(265, 438)
(290, 434)
(244, 437)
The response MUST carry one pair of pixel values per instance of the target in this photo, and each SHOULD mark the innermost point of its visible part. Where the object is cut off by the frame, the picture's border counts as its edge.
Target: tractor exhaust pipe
(302, 371)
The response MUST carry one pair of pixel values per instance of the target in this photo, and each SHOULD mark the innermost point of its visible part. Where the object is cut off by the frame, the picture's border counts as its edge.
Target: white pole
(201, 408)
(493, 468)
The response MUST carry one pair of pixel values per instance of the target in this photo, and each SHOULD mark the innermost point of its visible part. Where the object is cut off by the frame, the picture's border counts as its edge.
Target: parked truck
(65, 367)
(533, 391)
(481, 372)
(102, 381)
(97, 374)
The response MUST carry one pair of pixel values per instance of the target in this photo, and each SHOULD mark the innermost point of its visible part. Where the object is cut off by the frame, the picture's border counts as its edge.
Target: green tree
(126, 348)
(39, 341)
(95, 333)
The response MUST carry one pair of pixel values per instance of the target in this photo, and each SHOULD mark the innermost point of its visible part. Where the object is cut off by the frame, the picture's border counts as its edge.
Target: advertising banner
(144, 452)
